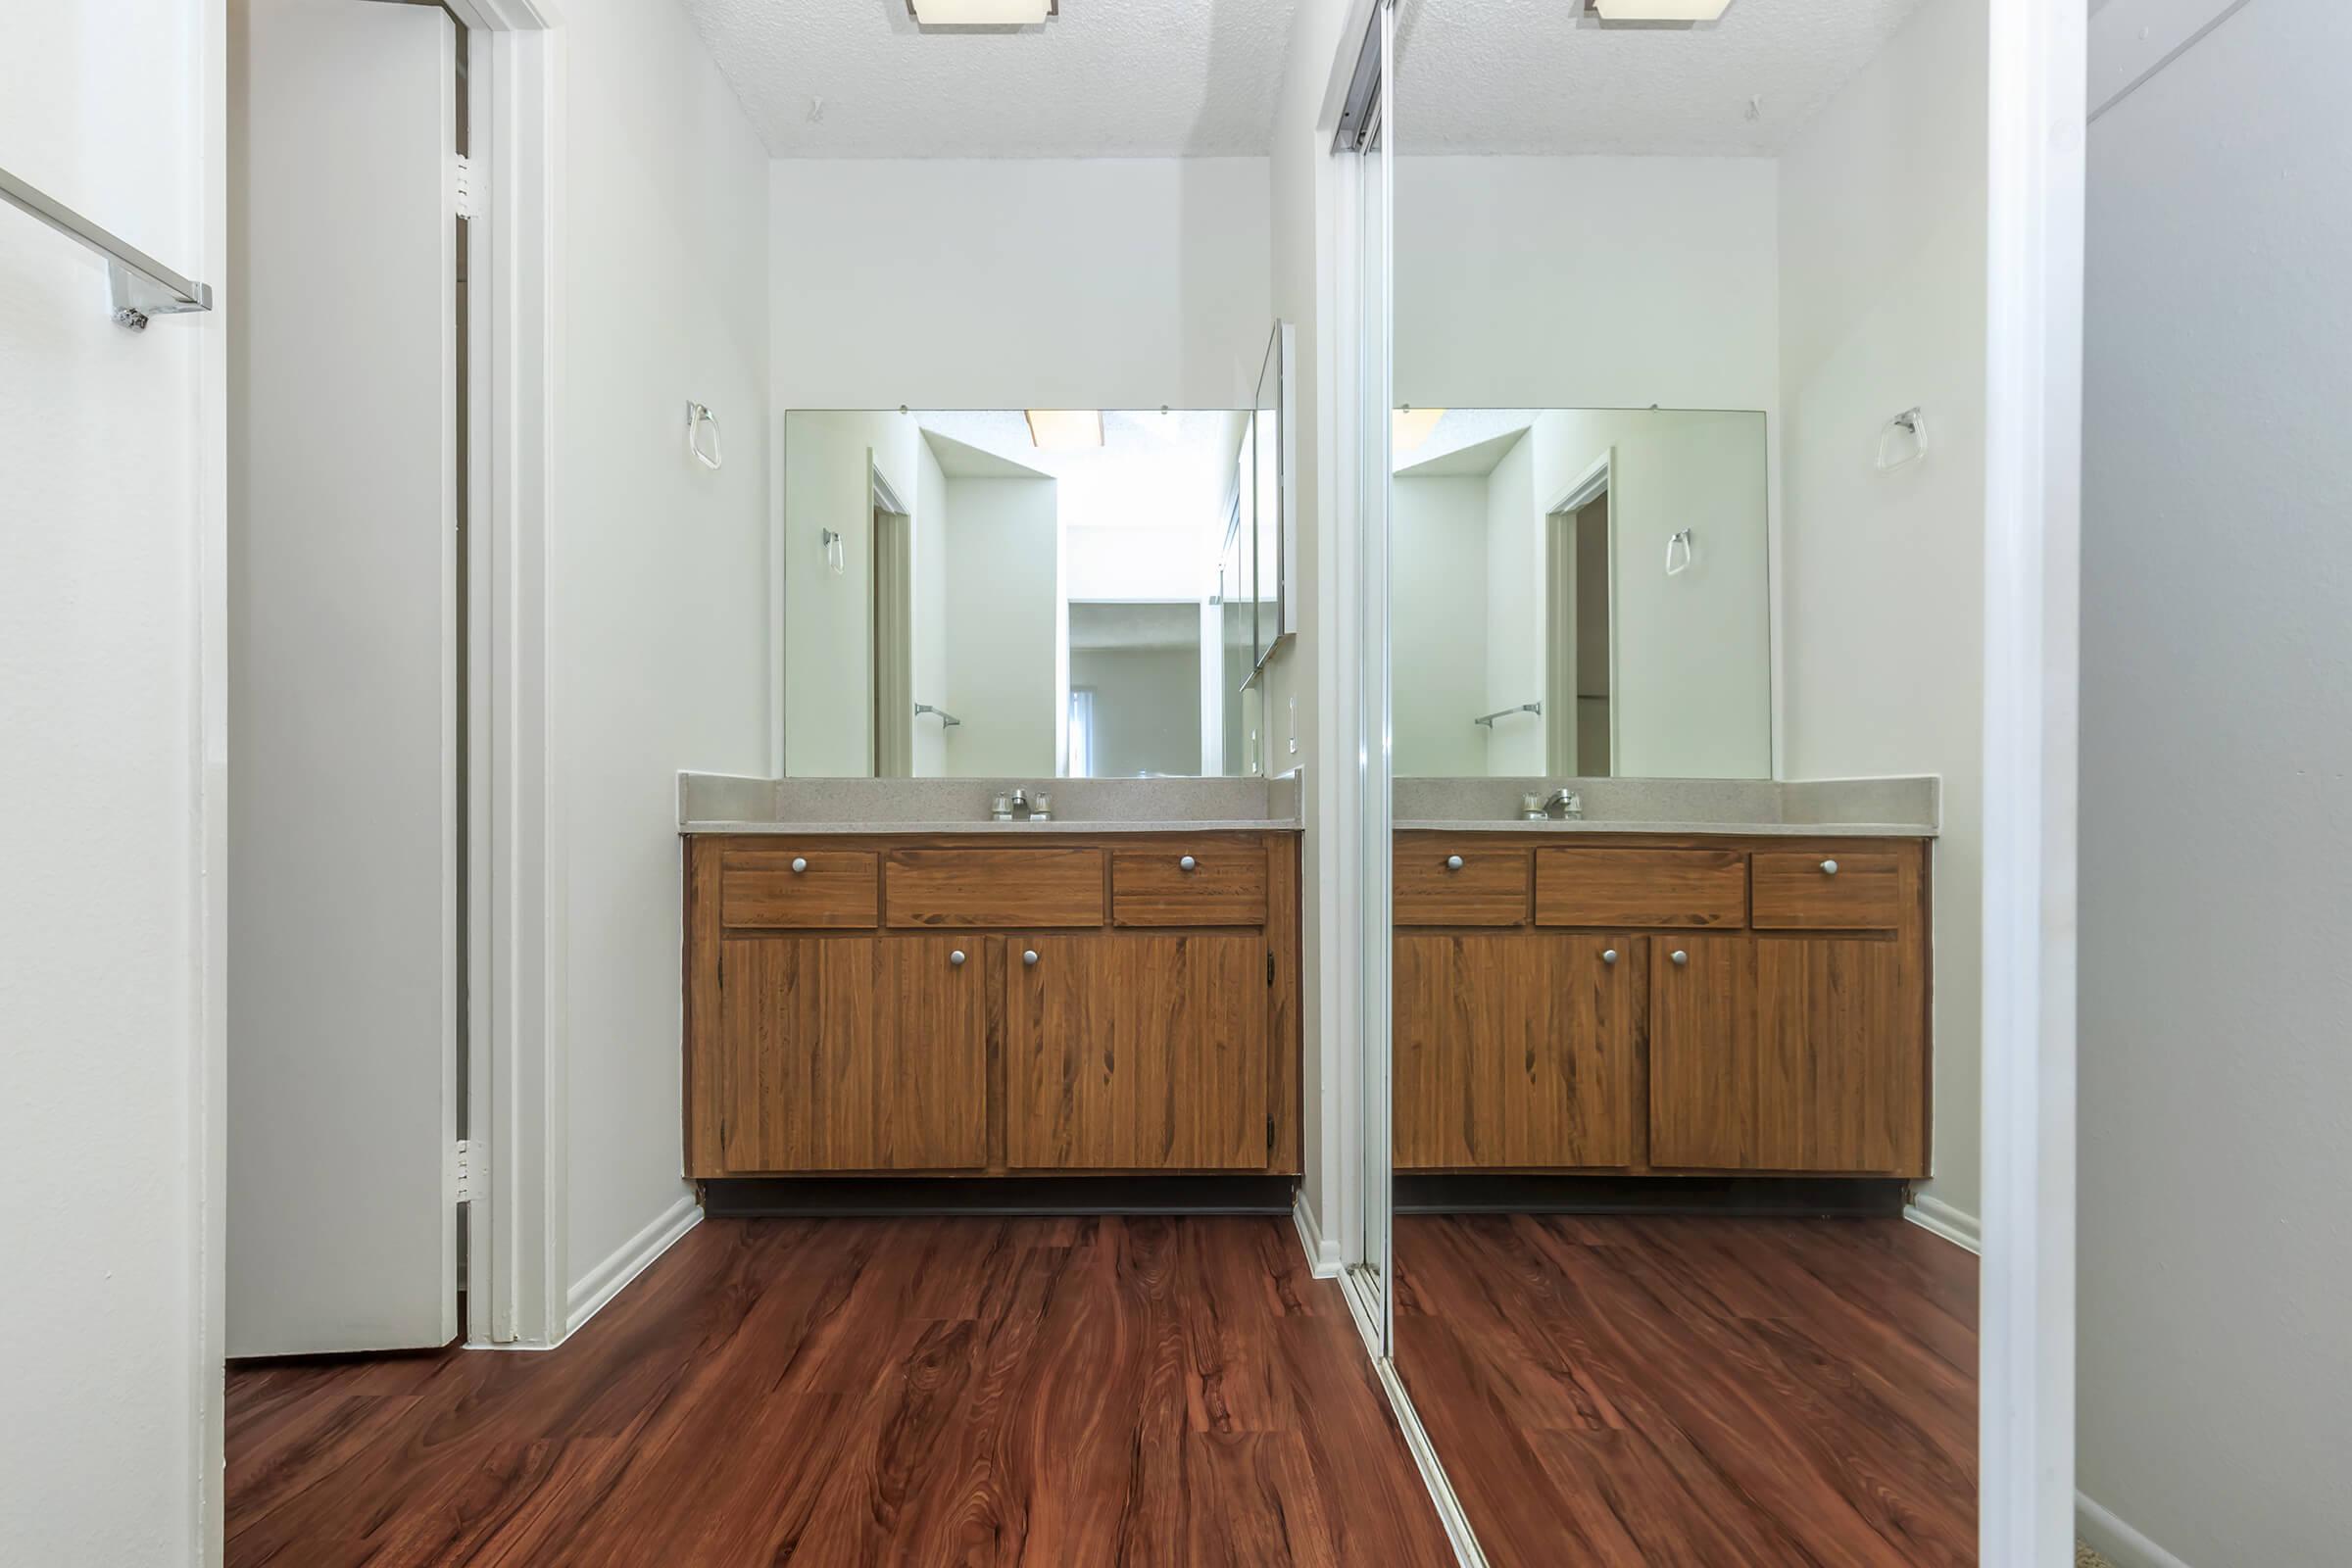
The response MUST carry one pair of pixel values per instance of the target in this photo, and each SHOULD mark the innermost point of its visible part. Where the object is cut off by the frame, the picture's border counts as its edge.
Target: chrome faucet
(1037, 807)
(1567, 802)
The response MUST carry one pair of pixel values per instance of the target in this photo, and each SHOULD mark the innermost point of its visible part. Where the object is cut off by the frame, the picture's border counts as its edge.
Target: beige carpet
(2085, 1557)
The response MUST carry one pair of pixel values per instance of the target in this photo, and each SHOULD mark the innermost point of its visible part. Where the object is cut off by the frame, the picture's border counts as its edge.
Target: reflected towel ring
(1912, 425)
(1678, 553)
(698, 414)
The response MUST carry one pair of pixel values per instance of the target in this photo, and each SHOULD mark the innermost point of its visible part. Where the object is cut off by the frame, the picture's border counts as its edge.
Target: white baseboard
(2118, 1542)
(610, 1278)
(1322, 1256)
(1932, 1213)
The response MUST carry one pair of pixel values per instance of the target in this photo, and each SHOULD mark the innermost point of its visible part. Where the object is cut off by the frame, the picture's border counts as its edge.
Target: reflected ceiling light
(1660, 10)
(1413, 426)
(982, 12)
(1065, 430)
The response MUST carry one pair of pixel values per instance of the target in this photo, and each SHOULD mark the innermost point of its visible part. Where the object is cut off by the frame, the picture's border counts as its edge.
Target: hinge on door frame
(461, 1170)
(1269, 1137)
(467, 204)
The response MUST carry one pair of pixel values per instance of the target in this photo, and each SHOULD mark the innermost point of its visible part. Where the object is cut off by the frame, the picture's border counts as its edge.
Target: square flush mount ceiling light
(982, 12)
(1065, 430)
(1660, 10)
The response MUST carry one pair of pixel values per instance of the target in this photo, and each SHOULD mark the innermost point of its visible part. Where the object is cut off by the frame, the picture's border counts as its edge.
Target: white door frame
(2034, 180)
(517, 867)
(2033, 476)
(1600, 478)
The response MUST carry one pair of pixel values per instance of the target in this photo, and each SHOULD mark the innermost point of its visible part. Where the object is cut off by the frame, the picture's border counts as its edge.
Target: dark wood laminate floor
(1703, 1392)
(968, 1392)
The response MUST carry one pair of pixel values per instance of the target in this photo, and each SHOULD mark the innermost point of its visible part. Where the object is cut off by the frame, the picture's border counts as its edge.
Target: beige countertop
(1017, 829)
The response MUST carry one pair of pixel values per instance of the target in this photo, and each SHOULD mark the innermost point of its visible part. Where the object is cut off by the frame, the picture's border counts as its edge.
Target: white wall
(1114, 283)
(1514, 614)
(830, 458)
(1437, 615)
(1003, 627)
(111, 597)
(1882, 308)
(931, 524)
(1607, 283)
(1111, 562)
(1592, 282)
(2216, 1160)
(1692, 673)
(660, 566)
(1147, 707)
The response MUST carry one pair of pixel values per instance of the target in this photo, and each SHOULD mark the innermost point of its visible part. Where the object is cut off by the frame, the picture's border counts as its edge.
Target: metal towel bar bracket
(947, 720)
(138, 285)
(1487, 719)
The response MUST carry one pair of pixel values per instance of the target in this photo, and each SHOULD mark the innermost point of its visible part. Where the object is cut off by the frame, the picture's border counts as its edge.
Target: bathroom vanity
(1582, 998)
(1062, 997)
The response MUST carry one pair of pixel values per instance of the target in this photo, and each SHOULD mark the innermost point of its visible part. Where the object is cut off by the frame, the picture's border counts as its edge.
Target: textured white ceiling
(1544, 77)
(1108, 79)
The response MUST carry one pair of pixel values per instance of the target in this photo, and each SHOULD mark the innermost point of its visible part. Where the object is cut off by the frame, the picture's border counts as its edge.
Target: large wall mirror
(1581, 593)
(1031, 592)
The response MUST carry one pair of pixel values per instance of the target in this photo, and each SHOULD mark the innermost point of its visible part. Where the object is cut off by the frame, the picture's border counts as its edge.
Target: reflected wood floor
(1051, 1393)
(1656, 1391)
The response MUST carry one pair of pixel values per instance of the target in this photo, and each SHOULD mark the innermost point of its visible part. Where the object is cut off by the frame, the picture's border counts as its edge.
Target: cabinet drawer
(1642, 887)
(964, 888)
(1223, 884)
(1487, 887)
(1798, 890)
(830, 889)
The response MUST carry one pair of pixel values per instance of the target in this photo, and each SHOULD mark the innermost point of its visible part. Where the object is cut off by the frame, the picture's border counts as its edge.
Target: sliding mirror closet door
(1680, 591)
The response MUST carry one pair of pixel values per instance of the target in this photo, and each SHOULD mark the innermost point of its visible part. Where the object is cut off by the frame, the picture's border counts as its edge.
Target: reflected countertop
(1829, 808)
(1795, 830)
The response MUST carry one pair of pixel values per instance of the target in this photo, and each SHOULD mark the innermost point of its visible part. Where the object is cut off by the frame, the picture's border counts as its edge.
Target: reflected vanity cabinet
(915, 1004)
(1661, 1005)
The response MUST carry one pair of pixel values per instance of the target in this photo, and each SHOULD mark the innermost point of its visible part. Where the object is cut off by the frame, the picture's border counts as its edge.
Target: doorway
(1579, 656)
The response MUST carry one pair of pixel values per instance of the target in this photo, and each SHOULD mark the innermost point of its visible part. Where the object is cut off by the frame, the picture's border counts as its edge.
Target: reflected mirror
(1581, 593)
(1010, 592)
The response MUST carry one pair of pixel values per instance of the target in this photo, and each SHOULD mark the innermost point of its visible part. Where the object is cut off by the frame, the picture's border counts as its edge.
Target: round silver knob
(1829, 868)
(1186, 863)
(800, 863)
(1680, 956)
(1029, 956)
(1453, 863)
(1608, 955)
(956, 957)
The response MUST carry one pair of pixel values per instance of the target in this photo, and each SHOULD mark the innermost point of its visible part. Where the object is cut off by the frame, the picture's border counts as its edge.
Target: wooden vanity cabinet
(852, 1052)
(944, 1006)
(1515, 1048)
(1136, 1053)
(1767, 1011)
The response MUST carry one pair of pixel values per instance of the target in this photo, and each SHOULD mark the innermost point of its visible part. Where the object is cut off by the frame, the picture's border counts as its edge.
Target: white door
(342, 628)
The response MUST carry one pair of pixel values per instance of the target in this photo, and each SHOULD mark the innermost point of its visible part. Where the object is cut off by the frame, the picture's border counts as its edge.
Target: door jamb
(2036, 85)
(518, 1085)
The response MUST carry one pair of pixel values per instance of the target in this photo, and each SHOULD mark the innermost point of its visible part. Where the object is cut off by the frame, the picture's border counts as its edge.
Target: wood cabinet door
(853, 1053)
(1515, 1051)
(1702, 1052)
(1136, 1053)
(1840, 1060)
(931, 1062)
